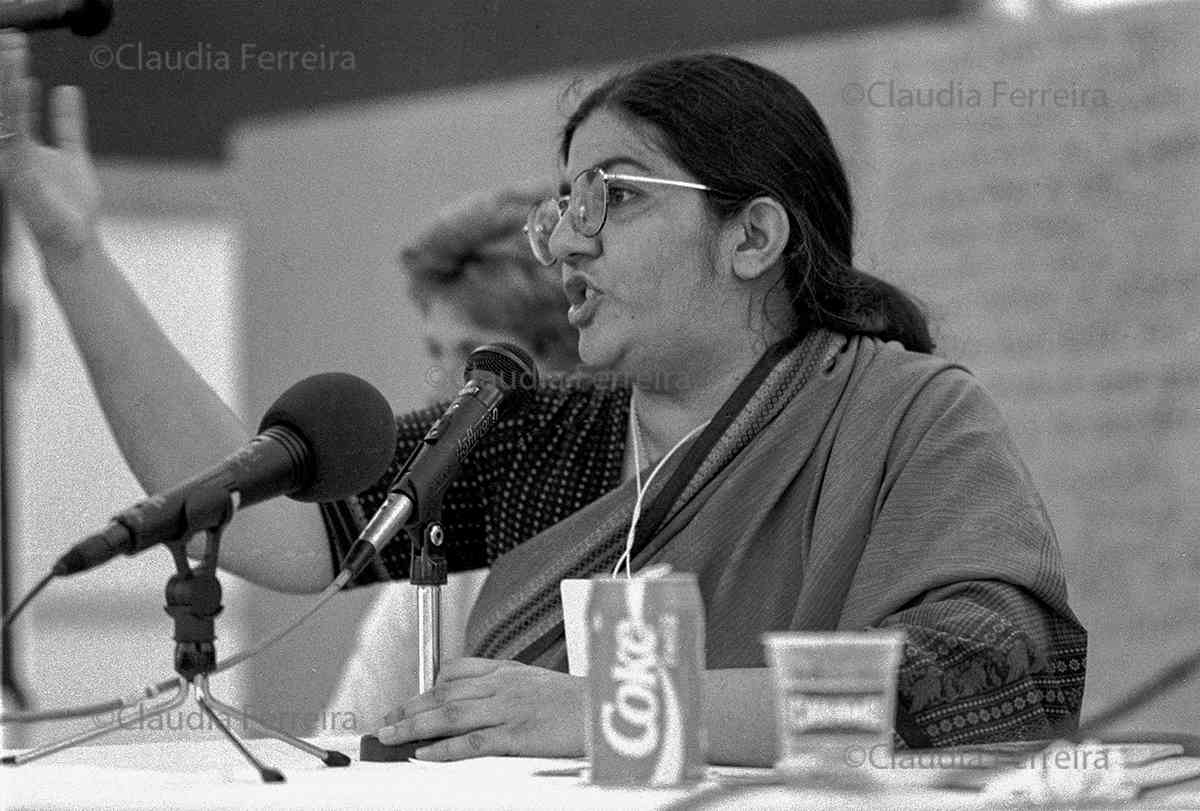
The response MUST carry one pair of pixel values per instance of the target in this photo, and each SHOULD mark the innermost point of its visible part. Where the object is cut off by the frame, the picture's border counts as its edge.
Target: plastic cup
(835, 701)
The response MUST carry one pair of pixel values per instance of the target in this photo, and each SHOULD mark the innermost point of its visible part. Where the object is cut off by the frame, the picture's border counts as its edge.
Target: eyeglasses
(586, 207)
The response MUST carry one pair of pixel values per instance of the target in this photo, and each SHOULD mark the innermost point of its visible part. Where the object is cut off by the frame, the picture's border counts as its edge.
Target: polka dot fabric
(559, 451)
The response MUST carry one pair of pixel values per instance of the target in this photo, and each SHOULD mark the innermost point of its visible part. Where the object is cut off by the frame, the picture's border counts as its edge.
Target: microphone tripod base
(193, 600)
(371, 750)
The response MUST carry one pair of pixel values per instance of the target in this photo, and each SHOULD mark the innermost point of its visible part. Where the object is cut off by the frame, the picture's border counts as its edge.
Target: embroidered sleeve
(984, 663)
(963, 556)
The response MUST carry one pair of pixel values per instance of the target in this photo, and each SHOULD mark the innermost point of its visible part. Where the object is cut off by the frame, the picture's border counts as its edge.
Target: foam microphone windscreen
(348, 427)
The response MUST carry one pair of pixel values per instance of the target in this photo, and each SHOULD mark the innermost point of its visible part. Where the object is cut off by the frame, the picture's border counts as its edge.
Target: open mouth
(584, 298)
(581, 314)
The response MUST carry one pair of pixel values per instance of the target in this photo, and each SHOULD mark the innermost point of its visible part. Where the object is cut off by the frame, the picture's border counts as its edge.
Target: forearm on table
(739, 714)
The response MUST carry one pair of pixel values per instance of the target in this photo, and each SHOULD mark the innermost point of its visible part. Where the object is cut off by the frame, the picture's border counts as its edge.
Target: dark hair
(499, 286)
(474, 256)
(749, 132)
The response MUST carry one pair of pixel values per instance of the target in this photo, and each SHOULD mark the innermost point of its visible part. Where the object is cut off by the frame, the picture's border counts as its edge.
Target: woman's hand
(485, 707)
(54, 186)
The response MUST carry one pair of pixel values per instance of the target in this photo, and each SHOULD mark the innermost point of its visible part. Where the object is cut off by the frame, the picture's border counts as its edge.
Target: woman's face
(643, 291)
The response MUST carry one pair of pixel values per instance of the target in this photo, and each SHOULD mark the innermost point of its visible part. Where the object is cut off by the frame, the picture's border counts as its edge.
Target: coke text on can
(645, 681)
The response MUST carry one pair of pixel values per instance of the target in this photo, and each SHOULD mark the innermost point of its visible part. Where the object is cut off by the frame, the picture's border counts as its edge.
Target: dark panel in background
(168, 78)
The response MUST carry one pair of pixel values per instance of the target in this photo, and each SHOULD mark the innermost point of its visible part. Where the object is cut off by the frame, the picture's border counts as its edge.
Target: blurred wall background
(1053, 238)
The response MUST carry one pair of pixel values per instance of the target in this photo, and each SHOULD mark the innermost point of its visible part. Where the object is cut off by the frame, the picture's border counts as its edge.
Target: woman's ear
(758, 236)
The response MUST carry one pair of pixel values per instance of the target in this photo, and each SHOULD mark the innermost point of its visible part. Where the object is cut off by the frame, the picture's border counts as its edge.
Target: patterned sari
(847, 484)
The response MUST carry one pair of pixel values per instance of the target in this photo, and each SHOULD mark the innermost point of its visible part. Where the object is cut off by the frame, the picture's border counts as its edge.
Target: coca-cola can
(645, 681)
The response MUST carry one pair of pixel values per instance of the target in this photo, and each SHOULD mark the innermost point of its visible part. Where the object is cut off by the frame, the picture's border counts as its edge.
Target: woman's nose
(567, 244)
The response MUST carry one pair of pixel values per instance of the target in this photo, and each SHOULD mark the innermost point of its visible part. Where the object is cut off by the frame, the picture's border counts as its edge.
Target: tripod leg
(329, 757)
(267, 774)
(82, 737)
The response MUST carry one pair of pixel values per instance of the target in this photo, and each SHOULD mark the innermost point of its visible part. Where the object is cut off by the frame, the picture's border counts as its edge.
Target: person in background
(475, 281)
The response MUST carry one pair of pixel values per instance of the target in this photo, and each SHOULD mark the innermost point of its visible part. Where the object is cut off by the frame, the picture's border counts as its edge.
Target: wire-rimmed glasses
(586, 206)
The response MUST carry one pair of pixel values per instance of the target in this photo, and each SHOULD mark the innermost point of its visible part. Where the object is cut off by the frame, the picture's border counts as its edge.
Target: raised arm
(167, 421)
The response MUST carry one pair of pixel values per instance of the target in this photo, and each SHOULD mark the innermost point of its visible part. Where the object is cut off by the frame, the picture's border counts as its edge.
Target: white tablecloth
(211, 774)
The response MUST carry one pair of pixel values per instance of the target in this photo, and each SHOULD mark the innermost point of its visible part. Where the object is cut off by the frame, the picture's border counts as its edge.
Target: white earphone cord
(634, 426)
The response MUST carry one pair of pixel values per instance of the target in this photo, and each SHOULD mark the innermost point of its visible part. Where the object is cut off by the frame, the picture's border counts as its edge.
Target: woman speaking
(769, 418)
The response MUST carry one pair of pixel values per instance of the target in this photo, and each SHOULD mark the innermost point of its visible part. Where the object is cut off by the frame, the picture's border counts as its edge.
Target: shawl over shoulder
(887, 492)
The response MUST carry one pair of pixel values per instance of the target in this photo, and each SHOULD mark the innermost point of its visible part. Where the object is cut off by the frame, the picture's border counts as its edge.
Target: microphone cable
(12, 615)
(320, 460)
(152, 691)
(1164, 680)
(505, 370)
(59, 570)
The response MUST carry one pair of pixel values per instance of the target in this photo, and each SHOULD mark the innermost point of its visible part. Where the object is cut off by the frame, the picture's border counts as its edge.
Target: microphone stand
(427, 571)
(428, 574)
(193, 601)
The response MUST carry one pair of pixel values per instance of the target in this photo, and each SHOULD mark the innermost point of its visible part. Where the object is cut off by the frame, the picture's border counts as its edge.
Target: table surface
(211, 774)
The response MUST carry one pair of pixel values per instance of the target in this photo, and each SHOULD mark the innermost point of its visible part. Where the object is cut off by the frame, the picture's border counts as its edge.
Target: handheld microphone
(327, 437)
(497, 375)
(84, 17)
